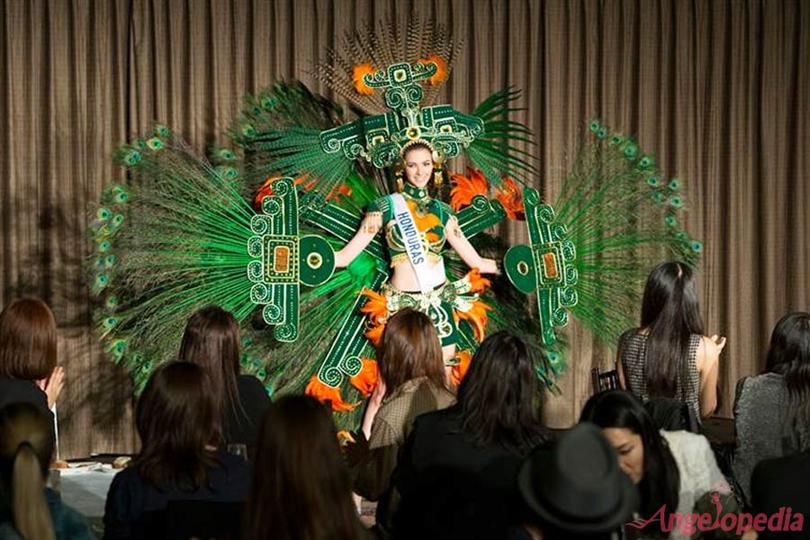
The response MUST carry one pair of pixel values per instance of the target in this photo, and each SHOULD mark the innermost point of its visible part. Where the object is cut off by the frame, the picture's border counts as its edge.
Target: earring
(398, 177)
(438, 177)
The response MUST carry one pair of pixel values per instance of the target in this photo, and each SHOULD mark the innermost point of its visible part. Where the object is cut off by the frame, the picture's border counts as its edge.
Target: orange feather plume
(466, 187)
(360, 71)
(477, 317)
(458, 371)
(376, 308)
(325, 393)
(441, 69)
(366, 380)
(509, 196)
(266, 188)
(478, 283)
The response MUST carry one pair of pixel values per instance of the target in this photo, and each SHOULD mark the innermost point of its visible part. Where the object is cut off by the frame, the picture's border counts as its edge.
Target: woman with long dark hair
(301, 488)
(772, 409)
(456, 474)
(178, 422)
(672, 469)
(412, 382)
(28, 370)
(211, 340)
(668, 356)
(26, 450)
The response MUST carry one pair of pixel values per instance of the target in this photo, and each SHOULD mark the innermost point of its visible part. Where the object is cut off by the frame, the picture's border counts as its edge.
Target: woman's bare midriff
(403, 276)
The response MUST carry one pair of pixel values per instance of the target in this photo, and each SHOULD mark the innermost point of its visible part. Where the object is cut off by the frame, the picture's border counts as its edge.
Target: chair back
(607, 380)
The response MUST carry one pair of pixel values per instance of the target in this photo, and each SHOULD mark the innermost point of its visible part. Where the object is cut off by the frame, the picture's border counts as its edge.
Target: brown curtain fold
(717, 90)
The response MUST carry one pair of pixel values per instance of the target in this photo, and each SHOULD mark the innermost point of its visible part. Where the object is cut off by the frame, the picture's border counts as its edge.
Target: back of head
(301, 487)
(789, 355)
(410, 348)
(27, 340)
(621, 409)
(26, 447)
(500, 395)
(211, 340)
(176, 418)
(670, 312)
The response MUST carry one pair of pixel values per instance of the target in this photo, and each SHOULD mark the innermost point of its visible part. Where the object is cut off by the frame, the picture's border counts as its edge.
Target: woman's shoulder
(768, 387)
(685, 444)
(250, 384)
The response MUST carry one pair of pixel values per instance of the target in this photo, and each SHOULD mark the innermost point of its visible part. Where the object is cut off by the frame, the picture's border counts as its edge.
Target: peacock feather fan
(624, 218)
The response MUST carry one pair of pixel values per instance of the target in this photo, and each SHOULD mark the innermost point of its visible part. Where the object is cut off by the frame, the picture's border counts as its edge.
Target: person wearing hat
(575, 489)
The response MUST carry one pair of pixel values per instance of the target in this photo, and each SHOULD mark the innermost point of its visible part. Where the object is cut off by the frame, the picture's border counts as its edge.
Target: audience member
(26, 450)
(412, 382)
(211, 340)
(28, 370)
(178, 423)
(772, 410)
(575, 489)
(457, 473)
(668, 356)
(672, 469)
(301, 488)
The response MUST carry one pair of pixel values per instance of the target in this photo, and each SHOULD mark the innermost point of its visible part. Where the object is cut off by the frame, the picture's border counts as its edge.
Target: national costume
(255, 230)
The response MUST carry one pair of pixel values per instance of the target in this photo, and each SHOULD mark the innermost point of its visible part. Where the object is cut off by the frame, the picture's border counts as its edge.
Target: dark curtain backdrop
(718, 90)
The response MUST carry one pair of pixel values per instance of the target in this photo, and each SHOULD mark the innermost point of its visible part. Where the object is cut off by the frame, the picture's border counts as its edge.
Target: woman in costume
(269, 257)
(415, 239)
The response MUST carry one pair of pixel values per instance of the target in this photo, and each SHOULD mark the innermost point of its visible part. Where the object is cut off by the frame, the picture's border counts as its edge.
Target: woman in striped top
(669, 356)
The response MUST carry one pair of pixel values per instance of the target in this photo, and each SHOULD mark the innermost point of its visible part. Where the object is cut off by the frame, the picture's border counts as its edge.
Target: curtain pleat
(717, 91)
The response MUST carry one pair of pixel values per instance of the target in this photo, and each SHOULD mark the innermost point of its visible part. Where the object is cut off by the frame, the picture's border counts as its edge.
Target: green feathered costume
(255, 231)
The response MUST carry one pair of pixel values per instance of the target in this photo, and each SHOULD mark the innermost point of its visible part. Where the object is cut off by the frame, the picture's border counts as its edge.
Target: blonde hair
(26, 447)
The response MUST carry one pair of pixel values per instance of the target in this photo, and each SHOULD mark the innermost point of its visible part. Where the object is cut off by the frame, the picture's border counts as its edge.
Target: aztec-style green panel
(546, 266)
(379, 138)
(282, 260)
(337, 221)
(343, 357)
(481, 214)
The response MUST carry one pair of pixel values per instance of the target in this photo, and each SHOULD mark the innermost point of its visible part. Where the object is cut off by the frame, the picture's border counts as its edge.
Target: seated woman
(772, 410)
(211, 340)
(412, 382)
(178, 423)
(26, 450)
(28, 370)
(301, 487)
(676, 469)
(668, 356)
(457, 473)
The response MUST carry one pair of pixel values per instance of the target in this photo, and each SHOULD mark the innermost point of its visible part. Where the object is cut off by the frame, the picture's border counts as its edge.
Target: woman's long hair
(500, 395)
(27, 340)
(410, 348)
(176, 419)
(26, 447)
(671, 314)
(211, 340)
(661, 481)
(301, 488)
(789, 355)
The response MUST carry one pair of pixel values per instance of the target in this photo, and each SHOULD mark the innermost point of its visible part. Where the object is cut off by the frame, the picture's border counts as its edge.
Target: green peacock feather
(623, 218)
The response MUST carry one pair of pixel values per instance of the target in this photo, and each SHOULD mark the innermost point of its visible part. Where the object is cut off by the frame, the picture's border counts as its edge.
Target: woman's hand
(52, 386)
(373, 406)
(716, 345)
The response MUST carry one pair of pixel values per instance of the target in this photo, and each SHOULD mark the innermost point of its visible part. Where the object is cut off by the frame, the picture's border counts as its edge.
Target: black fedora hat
(576, 485)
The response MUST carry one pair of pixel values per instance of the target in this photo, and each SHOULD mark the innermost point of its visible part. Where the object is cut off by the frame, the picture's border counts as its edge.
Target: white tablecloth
(85, 489)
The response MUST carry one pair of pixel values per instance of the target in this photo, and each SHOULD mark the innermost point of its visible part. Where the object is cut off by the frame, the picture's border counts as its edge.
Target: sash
(410, 238)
